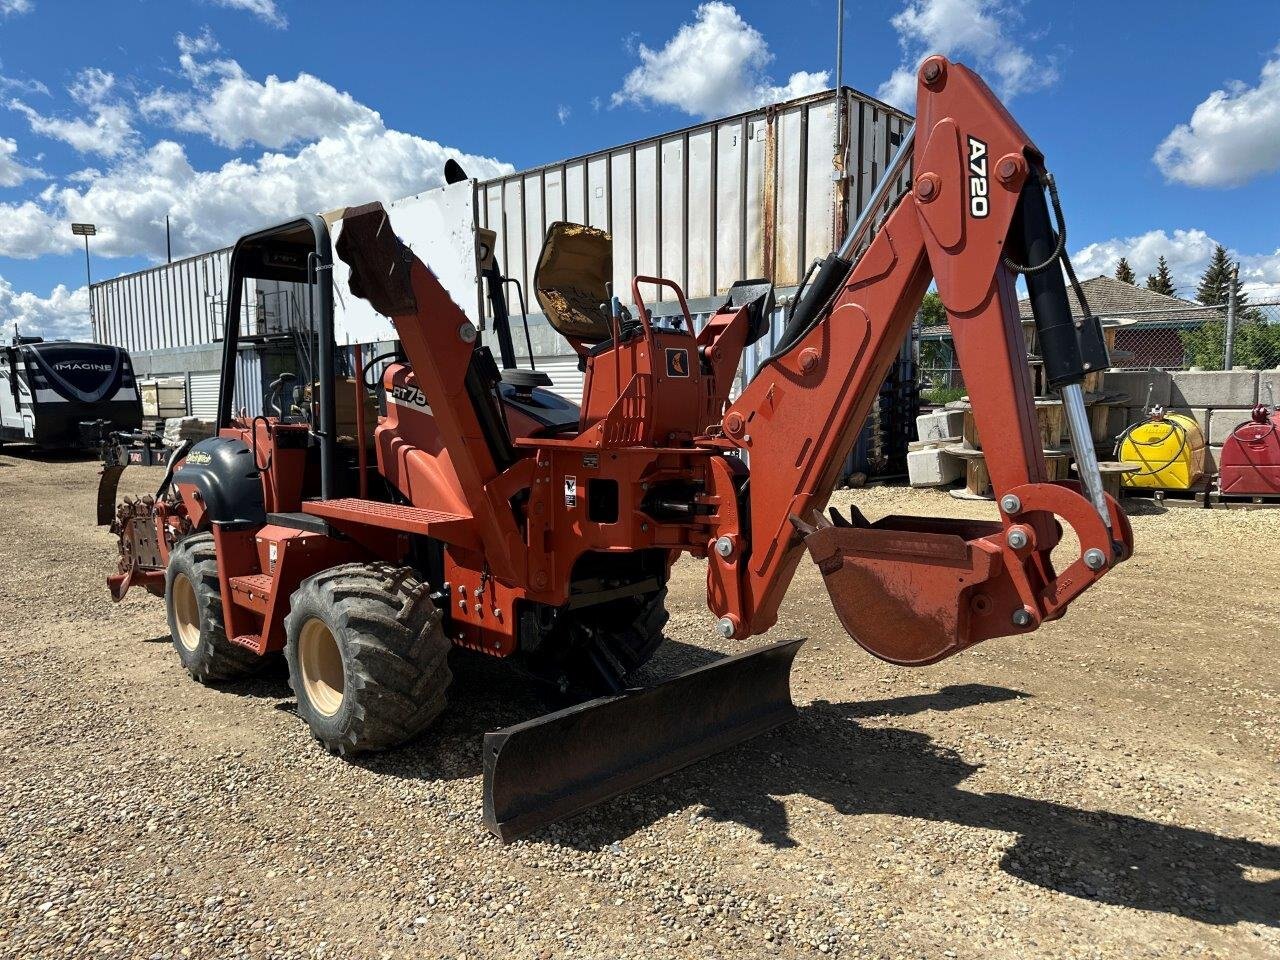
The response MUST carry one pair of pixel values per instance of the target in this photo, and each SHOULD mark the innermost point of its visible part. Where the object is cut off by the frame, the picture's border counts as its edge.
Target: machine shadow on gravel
(1091, 854)
(487, 695)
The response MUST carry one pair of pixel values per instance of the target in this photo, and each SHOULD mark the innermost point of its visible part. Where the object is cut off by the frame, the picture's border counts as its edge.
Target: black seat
(553, 412)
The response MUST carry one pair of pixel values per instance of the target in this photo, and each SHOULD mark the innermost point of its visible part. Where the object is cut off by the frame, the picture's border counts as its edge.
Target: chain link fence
(1244, 336)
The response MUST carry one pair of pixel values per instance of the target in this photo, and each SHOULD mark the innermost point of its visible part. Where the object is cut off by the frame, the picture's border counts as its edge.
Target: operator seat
(526, 391)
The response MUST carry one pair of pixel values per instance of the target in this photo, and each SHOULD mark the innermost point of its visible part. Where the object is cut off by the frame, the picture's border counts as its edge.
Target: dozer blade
(549, 768)
(108, 484)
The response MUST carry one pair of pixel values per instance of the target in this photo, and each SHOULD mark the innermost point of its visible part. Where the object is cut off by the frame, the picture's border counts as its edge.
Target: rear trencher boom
(485, 512)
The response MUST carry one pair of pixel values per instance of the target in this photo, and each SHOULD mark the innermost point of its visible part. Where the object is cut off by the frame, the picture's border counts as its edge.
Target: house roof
(1108, 296)
(1111, 299)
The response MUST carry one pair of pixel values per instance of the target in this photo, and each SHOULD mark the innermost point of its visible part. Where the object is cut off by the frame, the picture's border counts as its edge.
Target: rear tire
(193, 602)
(368, 658)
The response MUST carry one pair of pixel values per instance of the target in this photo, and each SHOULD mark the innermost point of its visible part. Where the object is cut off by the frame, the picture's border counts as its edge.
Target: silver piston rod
(1082, 447)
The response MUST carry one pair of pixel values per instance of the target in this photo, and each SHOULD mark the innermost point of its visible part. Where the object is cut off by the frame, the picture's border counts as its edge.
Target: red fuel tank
(1250, 460)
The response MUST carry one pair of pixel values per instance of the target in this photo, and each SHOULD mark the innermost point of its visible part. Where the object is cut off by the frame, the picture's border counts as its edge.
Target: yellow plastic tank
(1170, 450)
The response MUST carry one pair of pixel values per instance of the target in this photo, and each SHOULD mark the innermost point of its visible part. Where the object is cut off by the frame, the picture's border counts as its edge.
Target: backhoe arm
(914, 590)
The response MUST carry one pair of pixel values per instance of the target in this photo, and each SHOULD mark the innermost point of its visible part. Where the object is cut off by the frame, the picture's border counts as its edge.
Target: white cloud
(563, 113)
(973, 30)
(13, 172)
(275, 113)
(711, 67)
(108, 128)
(264, 10)
(348, 155)
(64, 313)
(1187, 253)
(8, 7)
(21, 85)
(1232, 137)
(29, 230)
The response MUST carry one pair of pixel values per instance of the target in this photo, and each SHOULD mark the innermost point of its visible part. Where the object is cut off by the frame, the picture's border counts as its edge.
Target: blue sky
(1160, 119)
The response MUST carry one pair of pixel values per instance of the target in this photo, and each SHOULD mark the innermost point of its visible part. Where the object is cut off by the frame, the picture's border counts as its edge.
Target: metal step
(391, 516)
(253, 592)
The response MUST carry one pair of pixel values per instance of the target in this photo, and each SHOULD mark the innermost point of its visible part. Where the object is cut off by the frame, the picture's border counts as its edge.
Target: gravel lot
(1105, 788)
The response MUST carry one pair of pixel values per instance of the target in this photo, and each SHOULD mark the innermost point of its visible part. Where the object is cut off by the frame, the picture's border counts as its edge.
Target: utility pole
(1229, 347)
(168, 243)
(86, 230)
(838, 148)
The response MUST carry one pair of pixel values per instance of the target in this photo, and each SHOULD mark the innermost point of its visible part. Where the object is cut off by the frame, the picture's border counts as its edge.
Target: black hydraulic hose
(253, 425)
(179, 452)
(1244, 450)
(364, 378)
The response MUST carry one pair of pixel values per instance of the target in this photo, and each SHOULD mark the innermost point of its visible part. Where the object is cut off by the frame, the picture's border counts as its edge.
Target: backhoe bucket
(914, 590)
(544, 770)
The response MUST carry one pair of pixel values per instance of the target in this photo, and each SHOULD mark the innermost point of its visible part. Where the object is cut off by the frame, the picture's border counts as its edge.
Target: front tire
(193, 602)
(368, 658)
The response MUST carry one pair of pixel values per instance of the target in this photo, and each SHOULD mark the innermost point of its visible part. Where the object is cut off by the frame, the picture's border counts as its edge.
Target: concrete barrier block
(1117, 421)
(1269, 387)
(933, 468)
(940, 424)
(1214, 388)
(1135, 384)
(1200, 415)
(1222, 422)
(1212, 457)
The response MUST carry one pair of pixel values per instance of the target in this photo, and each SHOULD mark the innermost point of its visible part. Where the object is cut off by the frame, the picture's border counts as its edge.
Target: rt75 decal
(979, 205)
(411, 397)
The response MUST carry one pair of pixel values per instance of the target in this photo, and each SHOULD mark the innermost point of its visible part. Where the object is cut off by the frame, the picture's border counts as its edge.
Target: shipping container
(752, 195)
(179, 304)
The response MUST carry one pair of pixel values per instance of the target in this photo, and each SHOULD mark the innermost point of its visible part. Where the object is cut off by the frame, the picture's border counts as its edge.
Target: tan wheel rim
(186, 612)
(320, 659)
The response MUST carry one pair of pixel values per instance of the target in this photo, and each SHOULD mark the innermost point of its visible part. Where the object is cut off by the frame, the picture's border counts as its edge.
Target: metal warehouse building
(757, 194)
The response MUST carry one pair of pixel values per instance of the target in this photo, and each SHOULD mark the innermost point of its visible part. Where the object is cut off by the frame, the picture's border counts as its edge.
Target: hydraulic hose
(1174, 427)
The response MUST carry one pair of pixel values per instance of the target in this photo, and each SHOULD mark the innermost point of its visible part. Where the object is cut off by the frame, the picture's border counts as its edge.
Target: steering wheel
(277, 388)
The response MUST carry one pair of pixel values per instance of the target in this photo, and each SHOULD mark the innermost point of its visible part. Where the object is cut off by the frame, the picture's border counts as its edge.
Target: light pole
(86, 230)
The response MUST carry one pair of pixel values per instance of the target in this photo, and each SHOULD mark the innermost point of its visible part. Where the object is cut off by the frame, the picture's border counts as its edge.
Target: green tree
(1124, 272)
(1216, 279)
(932, 312)
(1162, 281)
(1206, 345)
(1215, 286)
(1257, 345)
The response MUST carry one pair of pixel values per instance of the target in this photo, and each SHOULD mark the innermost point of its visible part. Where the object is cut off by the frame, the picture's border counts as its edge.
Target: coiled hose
(1174, 427)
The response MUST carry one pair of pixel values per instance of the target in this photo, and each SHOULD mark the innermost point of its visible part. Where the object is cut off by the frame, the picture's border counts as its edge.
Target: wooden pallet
(1193, 496)
(1216, 500)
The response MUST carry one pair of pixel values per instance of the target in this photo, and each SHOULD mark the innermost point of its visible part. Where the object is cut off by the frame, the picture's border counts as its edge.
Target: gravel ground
(1105, 788)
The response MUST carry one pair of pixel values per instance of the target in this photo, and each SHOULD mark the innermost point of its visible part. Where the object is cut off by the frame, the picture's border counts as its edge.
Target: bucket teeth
(806, 529)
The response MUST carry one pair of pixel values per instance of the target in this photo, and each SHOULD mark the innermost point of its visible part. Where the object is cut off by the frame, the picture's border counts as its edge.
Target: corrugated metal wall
(174, 305)
(748, 196)
(202, 395)
(184, 303)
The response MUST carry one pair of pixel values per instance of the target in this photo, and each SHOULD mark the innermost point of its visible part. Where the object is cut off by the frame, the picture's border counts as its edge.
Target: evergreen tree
(1124, 272)
(1216, 279)
(1162, 281)
(1215, 283)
